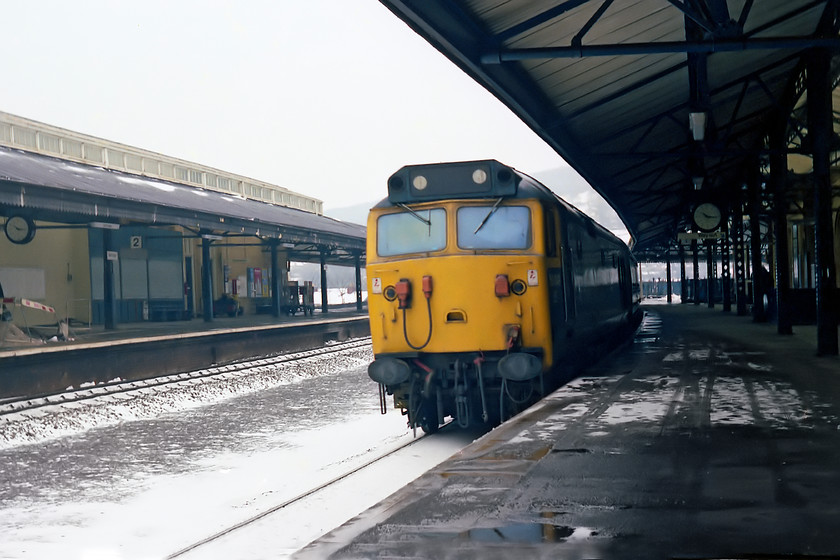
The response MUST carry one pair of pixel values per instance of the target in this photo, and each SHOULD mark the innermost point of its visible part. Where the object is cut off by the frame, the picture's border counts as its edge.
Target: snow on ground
(148, 475)
(72, 418)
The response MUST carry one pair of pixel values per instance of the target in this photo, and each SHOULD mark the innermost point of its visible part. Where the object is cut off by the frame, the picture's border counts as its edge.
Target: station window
(135, 163)
(195, 176)
(116, 159)
(151, 166)
(71, 148)
(92, 153)
(49, 143)
(210, 180)
(494, 227)
(24, 136)
(402, 233)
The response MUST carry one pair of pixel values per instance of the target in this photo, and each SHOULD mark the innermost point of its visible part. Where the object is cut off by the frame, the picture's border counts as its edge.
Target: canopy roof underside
(610, 86)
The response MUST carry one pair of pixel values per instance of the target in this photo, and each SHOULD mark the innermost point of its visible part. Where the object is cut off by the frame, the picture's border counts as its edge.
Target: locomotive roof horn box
(467, 179)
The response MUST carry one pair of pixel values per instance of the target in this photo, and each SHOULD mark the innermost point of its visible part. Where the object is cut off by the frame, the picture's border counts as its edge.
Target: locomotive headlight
(479, 176)
(420, 183)
(390, 293)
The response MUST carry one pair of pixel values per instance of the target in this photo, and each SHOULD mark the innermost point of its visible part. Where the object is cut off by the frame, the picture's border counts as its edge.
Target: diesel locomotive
(486, 291)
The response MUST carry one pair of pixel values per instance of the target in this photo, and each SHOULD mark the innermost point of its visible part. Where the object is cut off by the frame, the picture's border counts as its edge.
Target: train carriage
(486, 290)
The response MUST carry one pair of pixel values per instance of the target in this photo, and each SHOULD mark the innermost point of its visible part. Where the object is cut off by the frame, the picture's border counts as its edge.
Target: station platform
(43, 337)
(134, 351)
(709, 436)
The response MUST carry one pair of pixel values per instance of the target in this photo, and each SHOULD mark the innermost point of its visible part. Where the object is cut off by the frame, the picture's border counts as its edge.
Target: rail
(301, 496)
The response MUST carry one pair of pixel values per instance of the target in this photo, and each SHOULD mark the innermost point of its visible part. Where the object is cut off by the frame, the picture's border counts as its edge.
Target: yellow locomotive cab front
(468, 297)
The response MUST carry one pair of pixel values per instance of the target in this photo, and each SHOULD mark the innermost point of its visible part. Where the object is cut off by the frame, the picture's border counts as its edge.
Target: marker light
(403, 288)
(479, 176)
(502, 286)
(427, 286)
(420, 183)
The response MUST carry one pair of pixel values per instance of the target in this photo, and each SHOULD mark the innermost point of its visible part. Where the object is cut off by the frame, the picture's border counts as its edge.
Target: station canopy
(67, 192)
(658, 104)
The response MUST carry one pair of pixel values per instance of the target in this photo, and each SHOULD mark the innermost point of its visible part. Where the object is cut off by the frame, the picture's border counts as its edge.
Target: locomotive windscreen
(470, 179)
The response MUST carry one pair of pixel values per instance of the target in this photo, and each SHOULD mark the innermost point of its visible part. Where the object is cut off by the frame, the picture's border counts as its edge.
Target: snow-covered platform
(93, 355)
(709, 437)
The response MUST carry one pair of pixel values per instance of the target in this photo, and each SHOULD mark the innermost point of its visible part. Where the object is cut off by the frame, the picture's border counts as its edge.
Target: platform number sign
(376, 285)
(136, 242)
(533, 278)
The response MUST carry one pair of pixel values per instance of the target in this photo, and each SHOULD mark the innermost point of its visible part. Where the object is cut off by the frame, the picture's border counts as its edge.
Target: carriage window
(403, 233)
(494, 227)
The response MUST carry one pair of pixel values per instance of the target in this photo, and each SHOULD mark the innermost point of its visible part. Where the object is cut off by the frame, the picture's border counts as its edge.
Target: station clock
(19, 229)
(707, 216)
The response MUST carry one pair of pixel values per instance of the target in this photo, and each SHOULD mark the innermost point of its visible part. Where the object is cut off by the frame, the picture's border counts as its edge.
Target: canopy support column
(695, 281)
(710, 274)
(725, 271)
(778, 171)
(108, 283)
(206, 280)
(275, 279)
(820, 121)
(323, 254)
(357, 258)
(683, 283)
(759, 277)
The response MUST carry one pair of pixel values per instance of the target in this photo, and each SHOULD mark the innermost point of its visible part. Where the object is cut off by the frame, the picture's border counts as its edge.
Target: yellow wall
(62, 255)
(248, 253)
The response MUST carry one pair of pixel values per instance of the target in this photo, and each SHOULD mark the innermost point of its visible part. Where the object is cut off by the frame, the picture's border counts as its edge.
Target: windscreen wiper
(416, 215)
(490, 213)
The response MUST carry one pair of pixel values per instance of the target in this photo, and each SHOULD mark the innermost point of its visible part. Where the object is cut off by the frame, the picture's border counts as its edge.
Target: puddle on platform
(541, 530)
(522, 533)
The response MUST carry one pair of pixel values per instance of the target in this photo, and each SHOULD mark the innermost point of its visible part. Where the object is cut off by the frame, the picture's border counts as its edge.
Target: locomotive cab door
(555, 264)
(568, 248)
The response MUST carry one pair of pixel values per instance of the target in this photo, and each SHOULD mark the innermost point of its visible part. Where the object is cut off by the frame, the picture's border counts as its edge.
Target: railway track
(29, 403)
(306, 494)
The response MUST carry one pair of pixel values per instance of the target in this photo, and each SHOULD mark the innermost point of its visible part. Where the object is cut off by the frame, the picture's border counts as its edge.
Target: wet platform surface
(709, 437)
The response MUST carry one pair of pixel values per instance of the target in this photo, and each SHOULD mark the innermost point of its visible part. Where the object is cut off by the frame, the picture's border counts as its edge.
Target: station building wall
(51, 269)
(148, 273)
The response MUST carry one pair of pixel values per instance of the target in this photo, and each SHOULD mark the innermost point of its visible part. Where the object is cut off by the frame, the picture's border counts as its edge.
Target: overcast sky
(324, 97)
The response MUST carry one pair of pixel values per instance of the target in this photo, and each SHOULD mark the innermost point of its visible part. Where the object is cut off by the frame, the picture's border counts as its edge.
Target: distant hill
(355, 214)
(571, 187)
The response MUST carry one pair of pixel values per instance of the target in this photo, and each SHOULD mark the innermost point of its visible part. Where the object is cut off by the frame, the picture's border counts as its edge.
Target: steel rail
(295, 499)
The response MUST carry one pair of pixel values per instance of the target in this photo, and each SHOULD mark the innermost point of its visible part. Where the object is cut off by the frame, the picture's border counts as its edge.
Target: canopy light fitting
(697, 124)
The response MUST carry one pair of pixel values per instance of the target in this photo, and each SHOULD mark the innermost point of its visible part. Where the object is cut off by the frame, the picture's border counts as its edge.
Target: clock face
(707, 216)
(19, 229)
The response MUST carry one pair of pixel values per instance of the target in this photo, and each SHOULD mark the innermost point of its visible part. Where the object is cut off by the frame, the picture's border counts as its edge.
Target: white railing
(32, 136)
